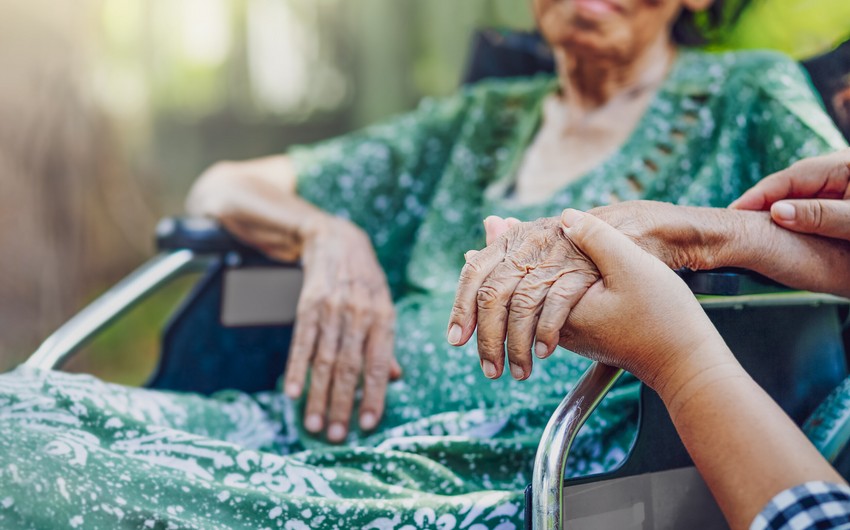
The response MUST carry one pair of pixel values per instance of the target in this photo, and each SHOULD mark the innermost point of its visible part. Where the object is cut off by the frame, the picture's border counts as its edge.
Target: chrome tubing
(59, 346)
(548, 479)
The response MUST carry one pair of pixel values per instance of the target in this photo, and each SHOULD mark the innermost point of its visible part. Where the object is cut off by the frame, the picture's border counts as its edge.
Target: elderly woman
(663, 337)
(380, 220)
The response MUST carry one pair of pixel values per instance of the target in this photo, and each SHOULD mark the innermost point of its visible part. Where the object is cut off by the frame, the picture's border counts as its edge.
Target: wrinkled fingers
(464, 312)
(564, 294)
(346, 371)
(376, 375)
(323, 365)
(525, 306)
(494, 301)
(303, 346)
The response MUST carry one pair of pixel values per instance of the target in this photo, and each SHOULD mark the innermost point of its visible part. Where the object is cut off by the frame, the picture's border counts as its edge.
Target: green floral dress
(454, 449)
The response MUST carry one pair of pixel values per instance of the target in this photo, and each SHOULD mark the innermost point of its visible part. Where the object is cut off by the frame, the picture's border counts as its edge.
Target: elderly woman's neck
(589, 82)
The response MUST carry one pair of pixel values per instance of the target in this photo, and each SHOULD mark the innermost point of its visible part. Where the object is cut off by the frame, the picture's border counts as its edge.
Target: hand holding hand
(639, 315)
(811, 197)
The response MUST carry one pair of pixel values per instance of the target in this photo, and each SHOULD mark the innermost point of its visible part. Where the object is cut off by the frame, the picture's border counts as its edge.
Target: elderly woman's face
(609, 28)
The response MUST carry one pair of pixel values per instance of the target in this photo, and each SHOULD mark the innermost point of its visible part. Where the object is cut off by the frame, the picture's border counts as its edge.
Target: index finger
(465, 309)
(825, 177)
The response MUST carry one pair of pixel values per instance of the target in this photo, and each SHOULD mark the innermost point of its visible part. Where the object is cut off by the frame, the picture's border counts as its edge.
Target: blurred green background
(109, 109)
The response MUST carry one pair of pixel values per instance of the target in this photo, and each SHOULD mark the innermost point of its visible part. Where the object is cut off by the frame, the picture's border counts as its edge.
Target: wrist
(710, 238)
(705, 369)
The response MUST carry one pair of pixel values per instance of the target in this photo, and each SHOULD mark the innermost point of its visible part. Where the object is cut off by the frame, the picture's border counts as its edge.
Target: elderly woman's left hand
(525, 282)
(503, 287)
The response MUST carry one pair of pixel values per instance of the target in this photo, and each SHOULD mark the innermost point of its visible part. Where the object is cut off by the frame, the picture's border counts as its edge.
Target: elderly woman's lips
(597, 7)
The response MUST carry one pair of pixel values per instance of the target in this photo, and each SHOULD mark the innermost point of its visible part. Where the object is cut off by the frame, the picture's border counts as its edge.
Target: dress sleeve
(807, 507)
(383, 177)
(790, 123)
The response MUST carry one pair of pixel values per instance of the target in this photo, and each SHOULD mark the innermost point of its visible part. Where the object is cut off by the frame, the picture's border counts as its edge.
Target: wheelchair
(233, 331)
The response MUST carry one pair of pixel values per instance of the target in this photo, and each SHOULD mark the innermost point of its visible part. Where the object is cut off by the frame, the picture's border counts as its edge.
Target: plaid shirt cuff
(807, 506)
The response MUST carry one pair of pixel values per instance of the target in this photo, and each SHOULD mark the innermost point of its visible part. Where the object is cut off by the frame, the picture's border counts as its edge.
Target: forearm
(256, 195)
(750, 240)
(743, 444)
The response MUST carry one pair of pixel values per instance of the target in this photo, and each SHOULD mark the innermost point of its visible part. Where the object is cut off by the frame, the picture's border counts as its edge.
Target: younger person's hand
(811, 197)
(639, 315)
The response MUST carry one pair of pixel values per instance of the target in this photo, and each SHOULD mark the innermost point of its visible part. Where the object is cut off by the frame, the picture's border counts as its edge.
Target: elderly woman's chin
(613, 28)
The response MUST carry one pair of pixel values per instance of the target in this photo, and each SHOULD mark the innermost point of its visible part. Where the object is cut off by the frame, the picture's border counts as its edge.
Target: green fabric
(454, 450)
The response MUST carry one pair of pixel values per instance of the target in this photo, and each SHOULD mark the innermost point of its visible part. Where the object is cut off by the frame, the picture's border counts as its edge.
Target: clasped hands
(601, 283)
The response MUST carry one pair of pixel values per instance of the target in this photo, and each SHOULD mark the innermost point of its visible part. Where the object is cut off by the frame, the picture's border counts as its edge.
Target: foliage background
(110, 108)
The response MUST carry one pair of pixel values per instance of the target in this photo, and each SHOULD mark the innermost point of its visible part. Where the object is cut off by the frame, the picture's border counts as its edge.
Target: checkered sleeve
(809, 506)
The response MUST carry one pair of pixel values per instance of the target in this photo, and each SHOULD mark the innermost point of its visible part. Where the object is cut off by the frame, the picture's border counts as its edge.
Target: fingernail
(784, 211)
(517, 372)
(454, 334)
(313, 423)
(489, 369)
(368, 421)
(336, 432)
(541, 350)
(571, 217)
(470, 254)
(734, 203)
(293, 390)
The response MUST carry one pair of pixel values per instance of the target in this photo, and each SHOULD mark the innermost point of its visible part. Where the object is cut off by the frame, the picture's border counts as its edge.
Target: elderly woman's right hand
(344, 328)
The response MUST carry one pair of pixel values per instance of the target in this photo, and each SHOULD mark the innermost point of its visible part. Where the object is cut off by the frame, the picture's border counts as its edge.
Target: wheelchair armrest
(186, 245)
(198, 234)
(729, 282)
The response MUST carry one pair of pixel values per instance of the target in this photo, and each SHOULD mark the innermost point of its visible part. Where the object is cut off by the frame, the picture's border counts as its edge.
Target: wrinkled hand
(812, 196)
(344, 329)
(502, 290)
(345, 313)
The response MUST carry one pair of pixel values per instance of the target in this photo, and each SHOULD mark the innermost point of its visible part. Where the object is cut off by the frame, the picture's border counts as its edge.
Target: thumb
(610, 250)
(824, 217)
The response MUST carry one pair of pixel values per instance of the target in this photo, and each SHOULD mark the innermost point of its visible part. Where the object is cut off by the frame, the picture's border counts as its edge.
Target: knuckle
(356, 307)
(490, 295)
(330, 305)
(306, 306)
(323, 364)
(814, 214)
(523, 303)
(378, 368)
(491, 346)
(460, 311)
(560, 295)
(346, 376)
(470, 271)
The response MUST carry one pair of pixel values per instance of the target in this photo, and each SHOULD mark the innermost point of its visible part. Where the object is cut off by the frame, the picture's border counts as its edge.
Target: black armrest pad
(729, 282)
(198, 234)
